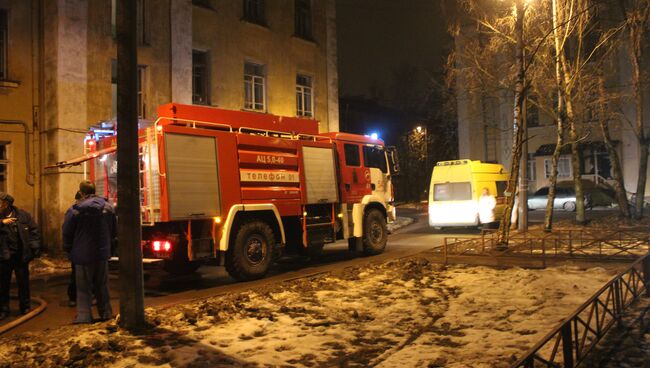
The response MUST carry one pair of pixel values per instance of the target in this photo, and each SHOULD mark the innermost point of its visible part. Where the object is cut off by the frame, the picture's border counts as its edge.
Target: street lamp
(423, 130)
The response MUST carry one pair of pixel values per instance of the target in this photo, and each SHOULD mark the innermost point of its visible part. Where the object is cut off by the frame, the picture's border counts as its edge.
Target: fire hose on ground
(26, 317)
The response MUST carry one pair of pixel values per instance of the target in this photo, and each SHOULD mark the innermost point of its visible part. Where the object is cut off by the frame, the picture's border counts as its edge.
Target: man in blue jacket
(88, 231)
(20, 242)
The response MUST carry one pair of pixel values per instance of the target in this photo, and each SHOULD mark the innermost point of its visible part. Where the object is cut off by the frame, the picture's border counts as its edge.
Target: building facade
(58, 76)
(485, 130)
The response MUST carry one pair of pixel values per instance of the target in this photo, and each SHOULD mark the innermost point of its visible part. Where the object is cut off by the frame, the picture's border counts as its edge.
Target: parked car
(565, 198)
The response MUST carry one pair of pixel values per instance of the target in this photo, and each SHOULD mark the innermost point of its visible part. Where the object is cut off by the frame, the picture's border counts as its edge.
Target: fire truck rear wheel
(375, 234)
(250, 256)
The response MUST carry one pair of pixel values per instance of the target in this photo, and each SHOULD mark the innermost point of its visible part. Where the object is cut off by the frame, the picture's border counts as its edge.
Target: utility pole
(128, 184)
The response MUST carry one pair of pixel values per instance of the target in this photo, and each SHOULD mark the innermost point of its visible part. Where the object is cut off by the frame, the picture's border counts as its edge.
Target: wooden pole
(128, 187)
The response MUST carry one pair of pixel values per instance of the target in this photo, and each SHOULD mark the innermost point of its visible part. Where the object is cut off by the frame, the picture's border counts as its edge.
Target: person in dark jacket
(89, 228)
(72, 285)
(20, 242)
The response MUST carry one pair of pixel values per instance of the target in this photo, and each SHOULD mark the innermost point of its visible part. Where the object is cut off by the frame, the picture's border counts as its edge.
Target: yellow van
(455, 190)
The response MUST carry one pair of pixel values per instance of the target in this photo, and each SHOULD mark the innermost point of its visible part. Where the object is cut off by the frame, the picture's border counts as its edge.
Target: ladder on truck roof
(198, 124)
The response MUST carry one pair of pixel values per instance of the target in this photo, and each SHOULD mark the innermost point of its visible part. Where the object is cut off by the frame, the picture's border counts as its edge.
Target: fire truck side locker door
(192, 176)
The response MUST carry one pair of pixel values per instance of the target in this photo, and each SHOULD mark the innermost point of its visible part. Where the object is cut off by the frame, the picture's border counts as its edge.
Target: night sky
(377, 37)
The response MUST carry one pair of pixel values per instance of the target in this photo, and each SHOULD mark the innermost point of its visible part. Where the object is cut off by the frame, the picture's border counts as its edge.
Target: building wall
(232, 41)
(61, 55)
(19, 105)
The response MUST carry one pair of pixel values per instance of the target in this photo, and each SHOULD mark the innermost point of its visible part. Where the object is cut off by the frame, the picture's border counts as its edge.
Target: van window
(352, 157)
(374, 157)
(501, 188)
(452, 192)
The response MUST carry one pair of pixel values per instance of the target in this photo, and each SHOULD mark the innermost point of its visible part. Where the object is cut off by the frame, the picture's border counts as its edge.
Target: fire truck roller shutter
(320, 175)
(192, 176)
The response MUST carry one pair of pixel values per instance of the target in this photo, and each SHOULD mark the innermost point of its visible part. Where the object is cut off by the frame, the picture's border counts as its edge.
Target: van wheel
(250, 256)
(375, 234)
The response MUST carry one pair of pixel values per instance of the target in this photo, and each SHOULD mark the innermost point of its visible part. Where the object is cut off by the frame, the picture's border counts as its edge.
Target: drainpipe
(29, 177)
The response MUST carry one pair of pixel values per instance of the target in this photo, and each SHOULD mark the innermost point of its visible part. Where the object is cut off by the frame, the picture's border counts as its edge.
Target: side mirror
(393, 162)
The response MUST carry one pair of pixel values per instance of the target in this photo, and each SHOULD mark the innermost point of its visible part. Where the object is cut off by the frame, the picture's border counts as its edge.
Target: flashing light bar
(456, 162)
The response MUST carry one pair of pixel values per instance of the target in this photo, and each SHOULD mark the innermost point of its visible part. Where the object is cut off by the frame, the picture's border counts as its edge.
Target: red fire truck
(239, 188)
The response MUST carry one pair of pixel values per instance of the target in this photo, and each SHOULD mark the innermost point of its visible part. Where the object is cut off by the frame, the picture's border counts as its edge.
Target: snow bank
(401, 313)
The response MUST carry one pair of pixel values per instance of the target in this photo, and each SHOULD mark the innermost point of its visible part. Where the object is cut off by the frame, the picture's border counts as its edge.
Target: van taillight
(162, 246)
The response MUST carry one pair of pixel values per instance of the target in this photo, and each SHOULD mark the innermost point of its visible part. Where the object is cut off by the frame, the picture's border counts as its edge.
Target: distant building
(58, 76)
(485, 131)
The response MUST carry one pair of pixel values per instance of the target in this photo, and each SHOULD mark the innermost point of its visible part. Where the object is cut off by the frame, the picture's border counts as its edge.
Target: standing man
(88, 230)
(20, 242)
(486, 205)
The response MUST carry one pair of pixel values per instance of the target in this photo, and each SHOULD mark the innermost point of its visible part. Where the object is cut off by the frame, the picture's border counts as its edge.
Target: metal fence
(570, 342)
(615, 245)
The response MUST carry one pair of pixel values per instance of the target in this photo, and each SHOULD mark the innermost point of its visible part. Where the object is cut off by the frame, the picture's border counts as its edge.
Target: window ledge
(9, 84)
(309, 40)
(206, 7)
(256, 23)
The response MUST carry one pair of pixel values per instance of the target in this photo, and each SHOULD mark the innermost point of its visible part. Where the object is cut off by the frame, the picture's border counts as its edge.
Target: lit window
(303, 18)
(254, 11)
(563, 167)
(200, 77)
(4, 30)
(254, 87)
(304, 96)
(4, 166)
(532, 167)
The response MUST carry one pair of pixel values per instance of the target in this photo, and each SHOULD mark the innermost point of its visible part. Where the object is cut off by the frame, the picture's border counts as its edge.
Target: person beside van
(486, 205)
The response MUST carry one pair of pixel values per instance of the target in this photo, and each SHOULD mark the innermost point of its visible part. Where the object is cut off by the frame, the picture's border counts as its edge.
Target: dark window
(200, 77)
(303, 19)
(374, 157)
(4, 164)
(141, 87)
(542, 192)
(254, 87)
(452, 192)
(304, 96)
(4, 39)
(352, 156)
(254, 11)
(142, 21)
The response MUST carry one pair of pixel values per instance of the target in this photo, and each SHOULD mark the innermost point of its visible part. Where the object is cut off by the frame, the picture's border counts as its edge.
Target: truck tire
(375, 234)
(249, 258)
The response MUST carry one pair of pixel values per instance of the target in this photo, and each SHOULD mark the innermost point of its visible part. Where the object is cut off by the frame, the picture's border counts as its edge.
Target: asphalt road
(163, 289)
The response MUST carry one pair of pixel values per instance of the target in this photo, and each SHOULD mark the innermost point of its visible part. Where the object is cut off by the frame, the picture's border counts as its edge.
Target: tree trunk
(619, 185)
(575, 167)
(640, 132)
(548, 215)
(503, 234)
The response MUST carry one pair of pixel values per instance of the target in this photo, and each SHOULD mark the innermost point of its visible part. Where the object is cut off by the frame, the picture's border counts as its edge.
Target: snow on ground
(48, 266)
(626, 345)
(399, 223)
(406, 313)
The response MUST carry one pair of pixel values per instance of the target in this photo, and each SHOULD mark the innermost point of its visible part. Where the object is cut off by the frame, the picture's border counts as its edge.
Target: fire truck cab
(240, 188)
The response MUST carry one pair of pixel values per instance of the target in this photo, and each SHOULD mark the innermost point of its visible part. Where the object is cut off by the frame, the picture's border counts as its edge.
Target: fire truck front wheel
(375, 234)
(250, 256)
